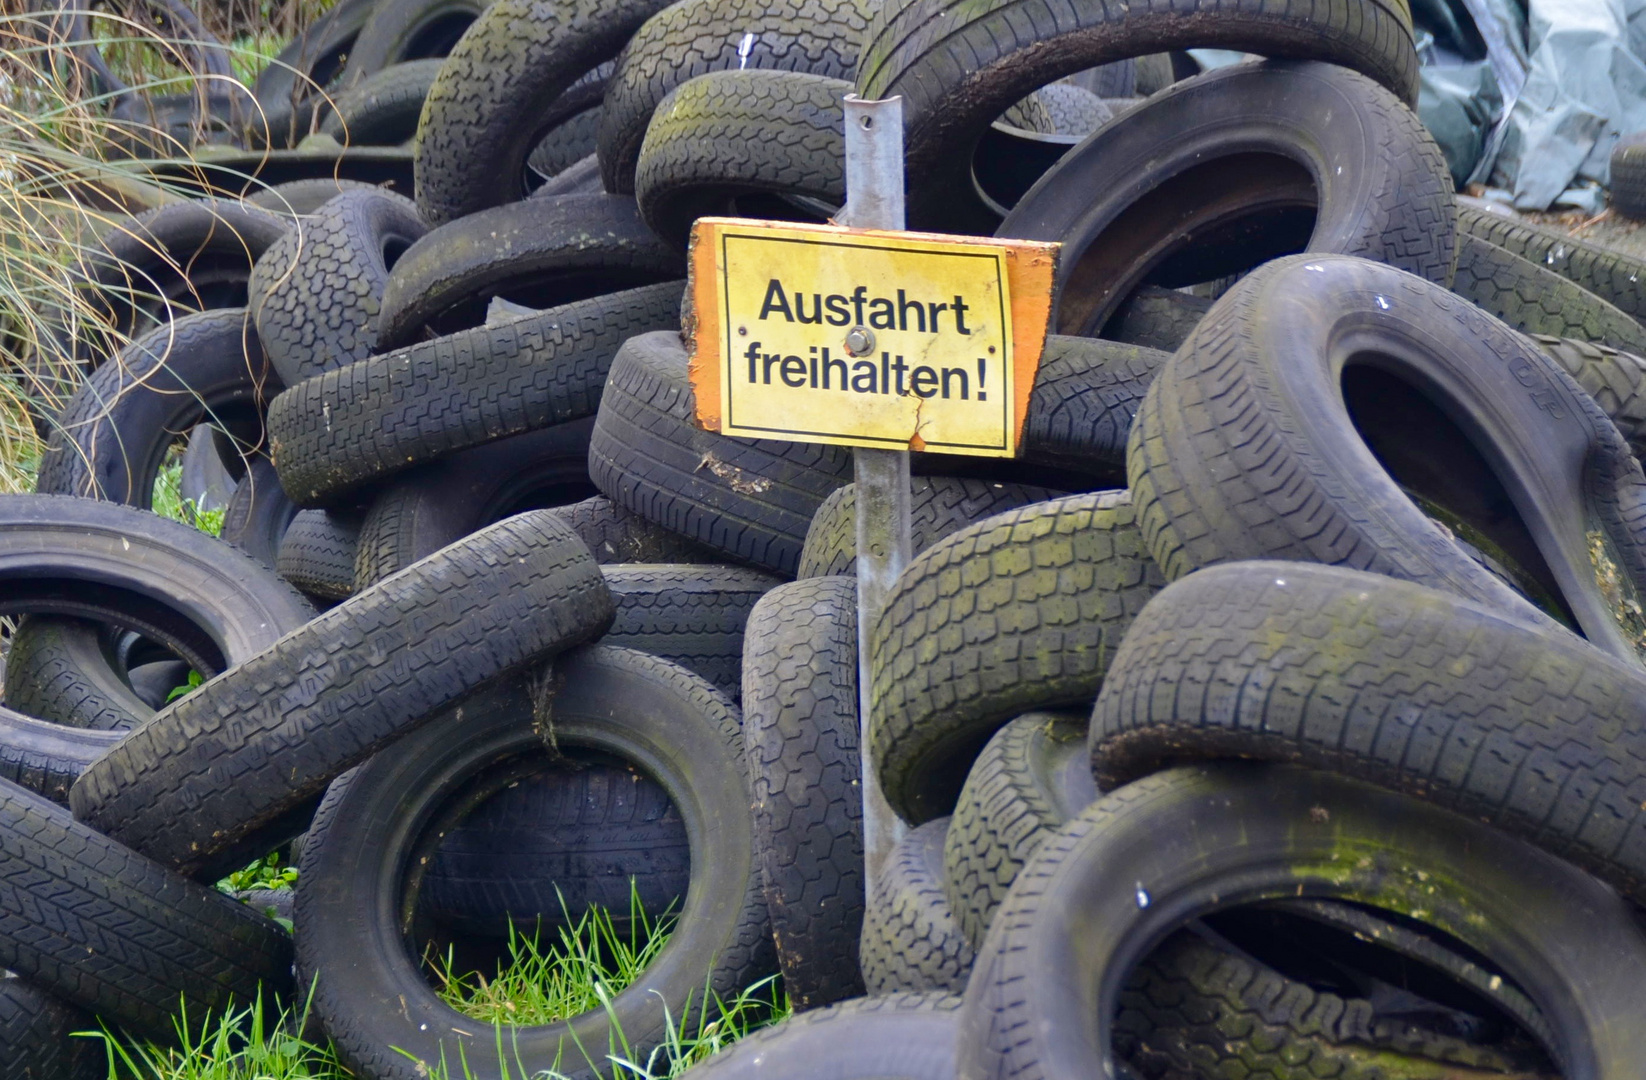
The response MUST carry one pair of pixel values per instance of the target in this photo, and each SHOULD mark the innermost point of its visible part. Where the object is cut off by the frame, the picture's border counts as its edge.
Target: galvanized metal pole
(874, 200)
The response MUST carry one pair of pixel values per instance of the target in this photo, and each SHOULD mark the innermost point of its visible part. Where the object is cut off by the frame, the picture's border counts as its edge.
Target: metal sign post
(862, 334)
(874, 200)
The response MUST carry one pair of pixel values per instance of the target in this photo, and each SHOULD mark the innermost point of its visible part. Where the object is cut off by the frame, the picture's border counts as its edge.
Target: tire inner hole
(1213, 220)
(1452, 1005)
(1439, 467)
(581, 845)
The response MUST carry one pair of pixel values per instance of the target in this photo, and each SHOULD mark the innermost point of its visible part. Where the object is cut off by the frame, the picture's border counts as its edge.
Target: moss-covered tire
(938, 506)
(1043, 995)
(1020, 611)
(1265, 437)
(750, 143)
(1501, 732)
(502, 89)
(1179, 1004)
(359, 864)
(800, 736)
(236, 767)
(686, 40)
(540, 253)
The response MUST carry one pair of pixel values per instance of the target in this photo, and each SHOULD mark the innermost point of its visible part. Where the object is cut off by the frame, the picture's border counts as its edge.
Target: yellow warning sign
(817, 333)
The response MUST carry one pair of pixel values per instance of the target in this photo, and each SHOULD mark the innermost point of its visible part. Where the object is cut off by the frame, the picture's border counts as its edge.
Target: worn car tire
(911, 941)
(112, 438)
(1611, 274)
(433, 505)
(359, 860)
(751, 499)
(1020, 611)
(80, 568)
(378, 417)
(1085, 396)
(958, 67)
(1157, 318)
(383, 108)
(259, 513)
(1500, 732)
(37, 1032)
(408, 31)
(748, 143)
(299, 197)
(316, 294)
(502, 89)
(250, 753)
(616, 535)
(540, 253)
(908, 1036)
(1616, 380)
(96, 924)
(686, 40)
(1313, 468)
(1628, 176)
(938, 506)
(1232, 168)
(691, 615)
(800, 736)
(296, 82)
(1034, 775)
(317, 552)
(1044, 992)
(1536, 300)
(554, 843)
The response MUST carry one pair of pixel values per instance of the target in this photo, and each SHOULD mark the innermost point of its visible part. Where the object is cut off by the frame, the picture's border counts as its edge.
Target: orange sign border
(1031, 269)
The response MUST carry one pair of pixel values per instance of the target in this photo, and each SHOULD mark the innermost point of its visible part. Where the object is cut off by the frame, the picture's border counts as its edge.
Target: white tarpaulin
(1585, 85)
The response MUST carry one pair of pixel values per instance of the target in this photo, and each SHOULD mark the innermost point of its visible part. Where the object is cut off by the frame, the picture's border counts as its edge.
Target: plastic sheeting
(1585, 85)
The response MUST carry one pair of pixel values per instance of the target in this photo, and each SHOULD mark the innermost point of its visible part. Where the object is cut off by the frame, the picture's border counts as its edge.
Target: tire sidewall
(605, 702)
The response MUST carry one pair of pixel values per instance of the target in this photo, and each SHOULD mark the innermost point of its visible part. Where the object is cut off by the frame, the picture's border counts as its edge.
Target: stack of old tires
(1278, 713)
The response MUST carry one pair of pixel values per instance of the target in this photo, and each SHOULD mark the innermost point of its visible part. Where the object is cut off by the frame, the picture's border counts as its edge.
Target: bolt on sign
(895, 340)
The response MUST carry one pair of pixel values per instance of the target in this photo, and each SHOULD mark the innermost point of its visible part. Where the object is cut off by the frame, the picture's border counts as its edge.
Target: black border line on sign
(726, 356)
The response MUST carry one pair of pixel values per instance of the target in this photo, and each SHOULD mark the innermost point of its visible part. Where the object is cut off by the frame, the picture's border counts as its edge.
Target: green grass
(169, 502)
(245, 1044)
(590, 964)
